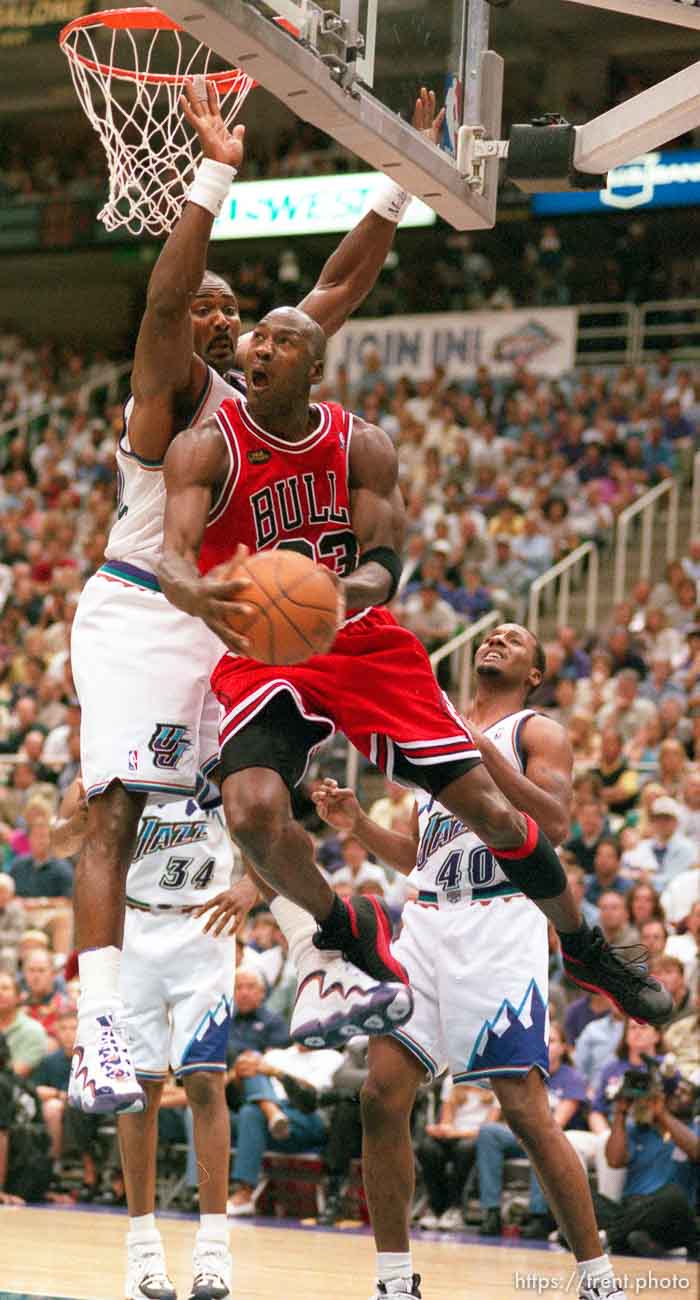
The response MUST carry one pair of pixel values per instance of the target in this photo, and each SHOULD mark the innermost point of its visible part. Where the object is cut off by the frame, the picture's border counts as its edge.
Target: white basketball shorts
(141, 669)
(177, 986)
(479, 973)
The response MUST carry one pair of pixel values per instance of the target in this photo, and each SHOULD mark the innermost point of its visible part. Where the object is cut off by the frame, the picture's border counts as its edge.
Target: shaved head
(297, 320)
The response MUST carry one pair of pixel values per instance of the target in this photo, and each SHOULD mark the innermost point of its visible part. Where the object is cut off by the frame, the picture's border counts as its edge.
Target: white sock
(597, 1273)
(99, 980)
(142, 1227)
(391, 1266)
(297, 926)
(214, 1227)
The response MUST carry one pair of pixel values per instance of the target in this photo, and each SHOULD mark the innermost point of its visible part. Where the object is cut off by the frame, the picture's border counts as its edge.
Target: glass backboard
(303, 52)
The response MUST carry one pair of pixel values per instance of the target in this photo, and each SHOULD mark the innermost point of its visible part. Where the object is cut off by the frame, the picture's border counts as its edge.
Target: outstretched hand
(204, 116)
(425, 118)
(228, 910)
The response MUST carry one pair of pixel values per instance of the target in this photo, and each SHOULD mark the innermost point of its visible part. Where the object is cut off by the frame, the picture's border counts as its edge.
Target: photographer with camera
(25, 1163)
(660, 1153)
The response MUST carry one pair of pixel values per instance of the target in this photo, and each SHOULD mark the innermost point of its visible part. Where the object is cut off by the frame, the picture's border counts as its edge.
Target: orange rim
(140, 19)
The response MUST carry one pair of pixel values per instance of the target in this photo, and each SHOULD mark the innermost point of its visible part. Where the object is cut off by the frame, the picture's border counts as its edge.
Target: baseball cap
(665, 806)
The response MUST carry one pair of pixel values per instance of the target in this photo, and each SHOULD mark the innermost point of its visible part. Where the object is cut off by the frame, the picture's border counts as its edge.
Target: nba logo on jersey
(133, 760)
(168, 744)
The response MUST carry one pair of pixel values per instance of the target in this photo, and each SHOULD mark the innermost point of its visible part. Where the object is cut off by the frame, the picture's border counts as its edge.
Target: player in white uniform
(141, 666)
(177, 977)
(477, 956)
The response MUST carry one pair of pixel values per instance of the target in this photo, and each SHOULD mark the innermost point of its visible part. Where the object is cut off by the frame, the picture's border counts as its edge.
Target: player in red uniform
(274, 470)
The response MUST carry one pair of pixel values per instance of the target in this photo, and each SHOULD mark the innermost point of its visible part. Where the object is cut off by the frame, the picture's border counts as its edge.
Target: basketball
(296, 607)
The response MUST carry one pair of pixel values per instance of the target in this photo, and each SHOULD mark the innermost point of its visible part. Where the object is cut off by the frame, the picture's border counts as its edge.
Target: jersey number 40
(481, 869)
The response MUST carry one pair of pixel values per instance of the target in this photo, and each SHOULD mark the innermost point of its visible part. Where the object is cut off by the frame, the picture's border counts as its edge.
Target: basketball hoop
(115, 59)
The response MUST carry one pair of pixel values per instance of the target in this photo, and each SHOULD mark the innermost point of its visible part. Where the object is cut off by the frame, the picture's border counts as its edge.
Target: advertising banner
(22, 21)
(656, 180)
(306, 205)
(543, 338)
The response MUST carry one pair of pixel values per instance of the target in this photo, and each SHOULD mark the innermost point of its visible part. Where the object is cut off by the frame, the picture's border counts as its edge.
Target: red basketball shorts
(375, 685)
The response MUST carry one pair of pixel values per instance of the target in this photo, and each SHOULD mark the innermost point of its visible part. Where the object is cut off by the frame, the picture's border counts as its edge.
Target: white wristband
(211, 185)
(390, 200)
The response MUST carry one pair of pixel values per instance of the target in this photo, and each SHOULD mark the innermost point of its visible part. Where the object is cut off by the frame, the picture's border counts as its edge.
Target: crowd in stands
(530, 264)
(501, 476)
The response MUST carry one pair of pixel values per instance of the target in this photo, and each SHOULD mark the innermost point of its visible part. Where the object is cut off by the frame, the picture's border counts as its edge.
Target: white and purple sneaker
(146, 1272)
(401, 1286)
(102, 1077)
(335, 1001)
(211, 1266)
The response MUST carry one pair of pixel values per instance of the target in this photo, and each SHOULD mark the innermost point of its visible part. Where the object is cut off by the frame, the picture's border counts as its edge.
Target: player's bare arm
(544, 789)
(352, 270)
(377, 515)
(194, 468)
(165, 364)
(340, 808)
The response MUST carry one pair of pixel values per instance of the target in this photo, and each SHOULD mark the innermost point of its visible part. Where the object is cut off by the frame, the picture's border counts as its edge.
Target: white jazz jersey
(176, 981)
(137, 532)
(183, 856)
(475, 949)
(451, 859)
(142, 668)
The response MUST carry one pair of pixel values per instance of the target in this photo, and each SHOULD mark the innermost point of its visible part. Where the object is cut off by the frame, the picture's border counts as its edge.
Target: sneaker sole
(142, 1295)
(210, 1293)
(133, 1104)
(389, 1009)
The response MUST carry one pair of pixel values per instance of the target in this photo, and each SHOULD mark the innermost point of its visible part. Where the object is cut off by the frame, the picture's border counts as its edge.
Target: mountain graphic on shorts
(516, 1038)
(207, 1045)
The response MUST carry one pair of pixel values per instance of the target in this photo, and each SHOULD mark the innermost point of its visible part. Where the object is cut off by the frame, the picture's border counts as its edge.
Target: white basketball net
(152, 153)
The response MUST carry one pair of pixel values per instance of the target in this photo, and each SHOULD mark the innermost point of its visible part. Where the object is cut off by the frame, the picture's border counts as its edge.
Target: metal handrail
(109, 375)
(623, 329)
(695, 497)
(686, 334)
(646, 506)
(564, 569)
(464, 642)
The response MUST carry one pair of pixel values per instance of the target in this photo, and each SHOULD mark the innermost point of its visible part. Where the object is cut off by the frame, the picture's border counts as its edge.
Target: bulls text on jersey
(288, 503)
(280, 494)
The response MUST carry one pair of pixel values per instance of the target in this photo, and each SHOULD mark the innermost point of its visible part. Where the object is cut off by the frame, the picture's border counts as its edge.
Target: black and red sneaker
(620, 973)
(361, 930)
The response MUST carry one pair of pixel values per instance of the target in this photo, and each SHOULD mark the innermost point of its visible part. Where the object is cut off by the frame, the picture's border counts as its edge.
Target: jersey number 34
(177, 870)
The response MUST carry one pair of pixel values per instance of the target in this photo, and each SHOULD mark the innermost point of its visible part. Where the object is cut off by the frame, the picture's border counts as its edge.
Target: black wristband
(389, 560)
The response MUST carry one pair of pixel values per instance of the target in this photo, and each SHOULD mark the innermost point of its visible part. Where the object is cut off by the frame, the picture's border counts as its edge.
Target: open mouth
(220, 348)
(259, 379)
(494, 655)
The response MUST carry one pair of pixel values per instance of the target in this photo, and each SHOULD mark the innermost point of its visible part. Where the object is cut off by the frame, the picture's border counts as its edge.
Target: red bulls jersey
(277, 493)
